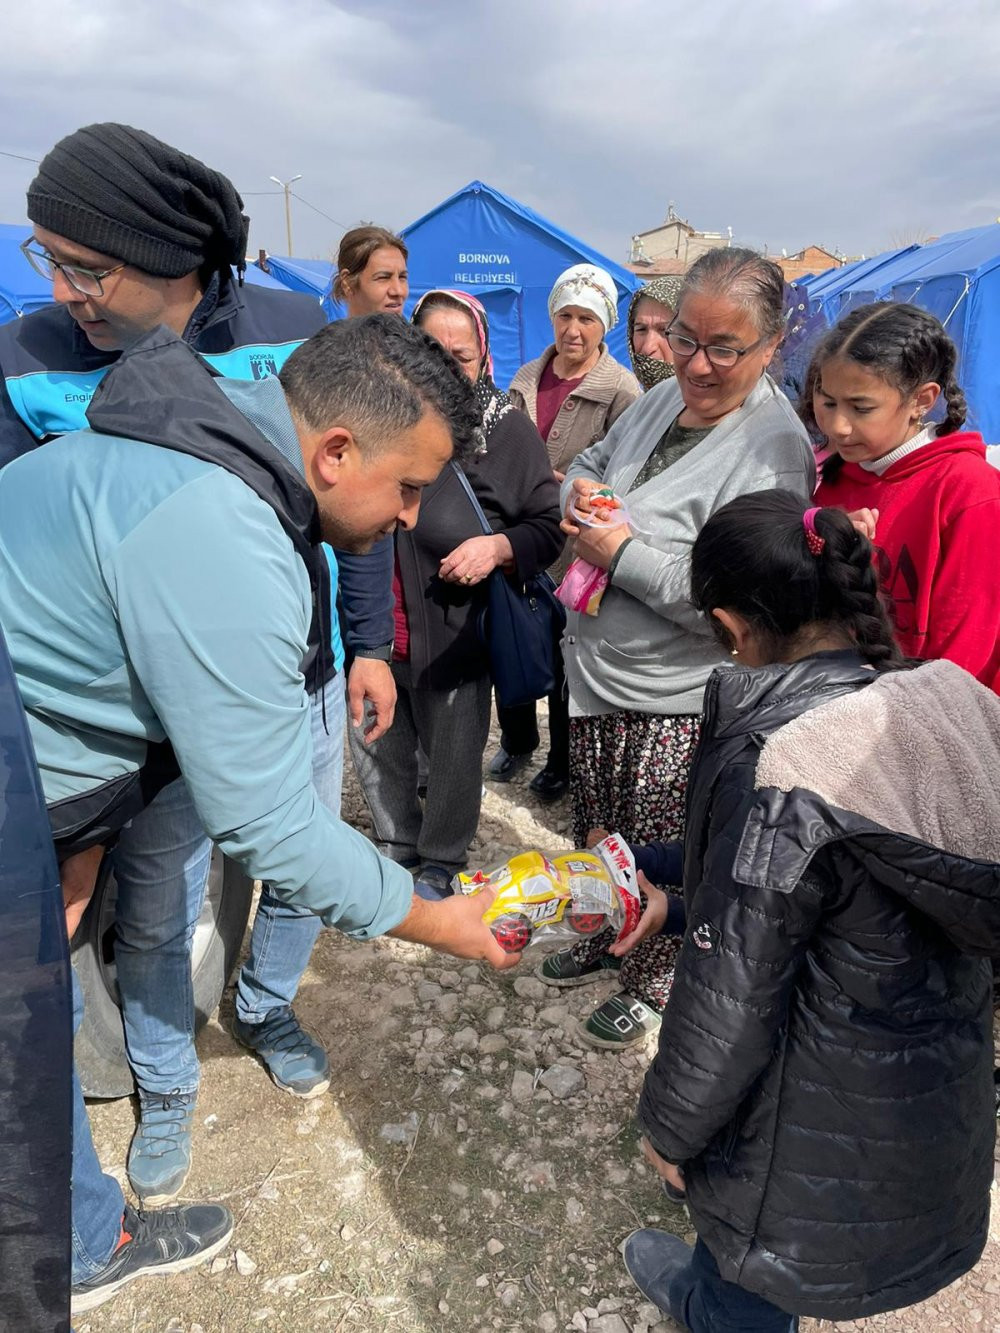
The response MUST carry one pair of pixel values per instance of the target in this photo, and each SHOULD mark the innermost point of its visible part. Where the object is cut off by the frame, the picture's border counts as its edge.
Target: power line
(336, 222)
(249, 194)
(20, 157)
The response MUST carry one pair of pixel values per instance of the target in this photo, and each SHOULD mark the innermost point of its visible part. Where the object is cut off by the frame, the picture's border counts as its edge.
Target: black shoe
(433, 882)
(166, 1241)
(654, 1259)
(504, 766)
(548, 785)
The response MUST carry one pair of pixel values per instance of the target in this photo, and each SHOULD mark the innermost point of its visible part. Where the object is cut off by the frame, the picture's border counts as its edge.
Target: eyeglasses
(82, 280)
(721, 357)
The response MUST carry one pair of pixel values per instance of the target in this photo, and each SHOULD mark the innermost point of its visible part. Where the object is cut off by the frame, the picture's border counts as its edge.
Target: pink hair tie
(814, 541)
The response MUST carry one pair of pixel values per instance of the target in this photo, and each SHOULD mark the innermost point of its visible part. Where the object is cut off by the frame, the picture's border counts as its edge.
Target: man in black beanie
(135, 234)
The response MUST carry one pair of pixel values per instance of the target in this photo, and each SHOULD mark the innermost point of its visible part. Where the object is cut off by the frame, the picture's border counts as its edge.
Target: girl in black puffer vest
(823, 1088)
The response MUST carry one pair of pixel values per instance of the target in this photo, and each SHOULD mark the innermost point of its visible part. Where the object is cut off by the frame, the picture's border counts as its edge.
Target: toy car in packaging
(561, 900)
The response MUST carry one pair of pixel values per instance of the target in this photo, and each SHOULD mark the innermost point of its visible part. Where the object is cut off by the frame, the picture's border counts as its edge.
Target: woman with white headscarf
(574, 392)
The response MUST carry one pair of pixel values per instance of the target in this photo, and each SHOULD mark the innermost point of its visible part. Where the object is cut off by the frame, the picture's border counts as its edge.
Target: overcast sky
(855, 124)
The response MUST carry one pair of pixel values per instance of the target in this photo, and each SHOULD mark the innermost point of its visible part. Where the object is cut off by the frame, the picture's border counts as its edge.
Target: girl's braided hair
(901, 344)
(752, 557)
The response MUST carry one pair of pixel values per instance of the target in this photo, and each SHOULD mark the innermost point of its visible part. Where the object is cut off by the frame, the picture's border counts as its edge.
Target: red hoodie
(937, 547)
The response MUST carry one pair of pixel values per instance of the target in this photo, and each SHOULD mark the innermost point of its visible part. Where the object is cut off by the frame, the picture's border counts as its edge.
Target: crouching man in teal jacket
(165, 597)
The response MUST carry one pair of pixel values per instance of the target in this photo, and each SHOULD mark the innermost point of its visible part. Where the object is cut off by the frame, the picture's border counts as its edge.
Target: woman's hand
(651, 922)
(579, 499)
(598, 545)
(475, 559)
(673, 1175)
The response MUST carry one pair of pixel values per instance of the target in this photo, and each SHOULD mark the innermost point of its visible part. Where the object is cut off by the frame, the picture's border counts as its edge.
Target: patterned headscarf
(648, 370)
(587, 286)
(493, 402)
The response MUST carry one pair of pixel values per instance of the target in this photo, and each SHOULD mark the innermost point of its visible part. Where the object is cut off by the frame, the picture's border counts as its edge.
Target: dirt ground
(474, 1166)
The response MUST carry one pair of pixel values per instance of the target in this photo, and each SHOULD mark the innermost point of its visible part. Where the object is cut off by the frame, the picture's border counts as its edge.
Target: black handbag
(520, 627)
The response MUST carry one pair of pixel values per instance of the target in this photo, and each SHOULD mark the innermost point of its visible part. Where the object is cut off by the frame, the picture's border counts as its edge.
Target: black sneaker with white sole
(165, 1241)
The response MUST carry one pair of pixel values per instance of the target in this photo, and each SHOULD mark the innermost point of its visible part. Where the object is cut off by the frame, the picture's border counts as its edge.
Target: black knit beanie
(124, 193)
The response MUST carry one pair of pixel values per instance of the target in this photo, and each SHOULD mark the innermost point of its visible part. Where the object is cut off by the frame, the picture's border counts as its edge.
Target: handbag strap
(467, 487)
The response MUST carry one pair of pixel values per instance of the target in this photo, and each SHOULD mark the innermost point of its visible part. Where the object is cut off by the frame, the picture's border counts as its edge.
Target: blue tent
(956, 278)
(314, 276)
(486, 243)
(21, 288)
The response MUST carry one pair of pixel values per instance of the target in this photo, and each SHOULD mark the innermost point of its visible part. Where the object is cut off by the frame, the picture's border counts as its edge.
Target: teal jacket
(149, 595)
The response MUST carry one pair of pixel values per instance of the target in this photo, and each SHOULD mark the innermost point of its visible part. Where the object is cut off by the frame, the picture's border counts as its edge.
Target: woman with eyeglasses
(637, 670)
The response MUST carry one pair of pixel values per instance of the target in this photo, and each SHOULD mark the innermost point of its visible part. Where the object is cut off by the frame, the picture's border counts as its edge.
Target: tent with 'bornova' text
(508, 256)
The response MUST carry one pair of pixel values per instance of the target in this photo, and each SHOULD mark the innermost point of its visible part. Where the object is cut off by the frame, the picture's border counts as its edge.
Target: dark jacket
(51, 370)
(825, 1064)
(513, 482)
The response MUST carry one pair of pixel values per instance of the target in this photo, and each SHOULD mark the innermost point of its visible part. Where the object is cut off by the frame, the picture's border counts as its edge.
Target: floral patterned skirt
(628, 774)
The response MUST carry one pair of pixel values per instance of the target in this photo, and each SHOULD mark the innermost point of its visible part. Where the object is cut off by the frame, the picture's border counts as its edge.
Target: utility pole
(287, 187)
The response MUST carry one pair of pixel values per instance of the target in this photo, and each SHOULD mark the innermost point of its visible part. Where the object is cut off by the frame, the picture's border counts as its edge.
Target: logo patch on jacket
(705, 937)
(263, 365)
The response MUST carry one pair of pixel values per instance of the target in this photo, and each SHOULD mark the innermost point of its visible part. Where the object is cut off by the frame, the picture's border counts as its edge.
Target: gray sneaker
(159, 1157)
(295, 1060)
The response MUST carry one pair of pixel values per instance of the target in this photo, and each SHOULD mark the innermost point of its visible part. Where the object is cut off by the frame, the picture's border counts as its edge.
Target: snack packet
(562, 900)
(606, 510)
(583, 584)
(583, 587)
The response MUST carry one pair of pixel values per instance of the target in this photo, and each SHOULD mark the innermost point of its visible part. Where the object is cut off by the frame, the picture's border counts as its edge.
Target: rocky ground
(474, 1166)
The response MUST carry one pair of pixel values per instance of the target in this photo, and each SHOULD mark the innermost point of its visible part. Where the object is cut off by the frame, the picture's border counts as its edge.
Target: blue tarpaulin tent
(508, 256)
(956, 278)
(22, 290)
(314, 276)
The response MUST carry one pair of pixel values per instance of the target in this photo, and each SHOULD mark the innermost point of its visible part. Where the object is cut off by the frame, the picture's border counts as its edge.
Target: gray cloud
(837, 121)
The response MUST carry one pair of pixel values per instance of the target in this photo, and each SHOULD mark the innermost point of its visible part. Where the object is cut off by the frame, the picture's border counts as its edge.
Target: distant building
(673, 242)
(673, 247)
(813, 259)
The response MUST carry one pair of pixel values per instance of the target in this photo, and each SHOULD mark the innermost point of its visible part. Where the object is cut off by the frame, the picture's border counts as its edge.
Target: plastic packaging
(562, 900)
(583, 584)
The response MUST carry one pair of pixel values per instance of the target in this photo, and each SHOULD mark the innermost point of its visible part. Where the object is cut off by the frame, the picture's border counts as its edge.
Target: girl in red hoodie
(936, 501)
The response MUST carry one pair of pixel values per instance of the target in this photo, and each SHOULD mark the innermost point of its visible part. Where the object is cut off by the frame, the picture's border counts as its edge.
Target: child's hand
(865, 521)
(652, 920)
(595, 836)
(673, 1175)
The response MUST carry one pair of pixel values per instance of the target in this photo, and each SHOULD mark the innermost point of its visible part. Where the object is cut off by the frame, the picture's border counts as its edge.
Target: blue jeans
(709, 1304)
(98, 1203)
(280, 949)
(161, 865)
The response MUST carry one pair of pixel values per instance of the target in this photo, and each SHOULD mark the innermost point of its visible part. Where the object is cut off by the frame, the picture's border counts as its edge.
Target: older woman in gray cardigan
(637, 670)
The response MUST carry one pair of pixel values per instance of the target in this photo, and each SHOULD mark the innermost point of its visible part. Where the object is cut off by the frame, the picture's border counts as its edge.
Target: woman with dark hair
(871, 385)
(637, 670)
(823, 1090)
(440, 666)
(371, 271)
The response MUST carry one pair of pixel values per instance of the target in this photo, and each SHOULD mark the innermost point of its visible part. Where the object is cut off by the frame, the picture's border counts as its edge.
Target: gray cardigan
(647, 649)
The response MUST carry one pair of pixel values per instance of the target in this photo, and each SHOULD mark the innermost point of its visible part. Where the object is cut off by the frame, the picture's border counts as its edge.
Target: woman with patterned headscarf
(650, 314)
(574, 393)
(439, 664)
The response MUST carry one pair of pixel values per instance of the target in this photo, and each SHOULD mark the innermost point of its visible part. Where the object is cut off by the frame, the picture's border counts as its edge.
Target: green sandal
(619, 1022)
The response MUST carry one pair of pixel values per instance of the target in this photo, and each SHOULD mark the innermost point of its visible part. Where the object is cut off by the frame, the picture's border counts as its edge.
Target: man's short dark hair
(377, 375)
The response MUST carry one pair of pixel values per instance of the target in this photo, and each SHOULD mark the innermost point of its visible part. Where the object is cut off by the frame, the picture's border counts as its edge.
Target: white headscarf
(587, 286)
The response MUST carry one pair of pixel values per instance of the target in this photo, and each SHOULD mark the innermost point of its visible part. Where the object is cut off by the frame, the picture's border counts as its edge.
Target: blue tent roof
(507, 255)
(956, 278)
(21, 288)
(314, 276)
